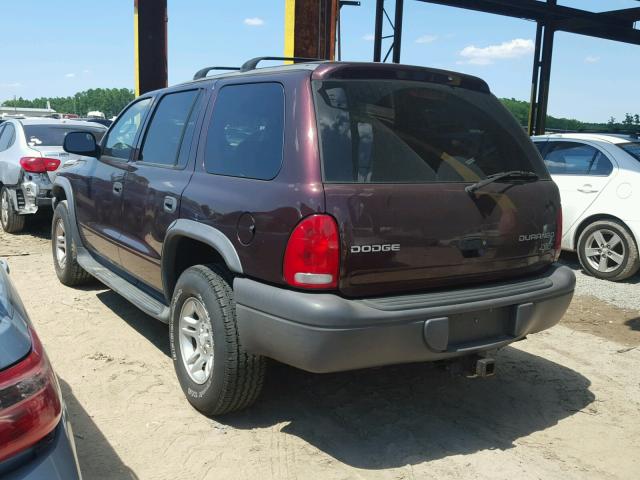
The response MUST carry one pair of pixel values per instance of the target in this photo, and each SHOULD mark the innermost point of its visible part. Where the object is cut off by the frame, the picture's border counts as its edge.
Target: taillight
(558, 238)
(312, 258)
(39, 164)
(30, 402)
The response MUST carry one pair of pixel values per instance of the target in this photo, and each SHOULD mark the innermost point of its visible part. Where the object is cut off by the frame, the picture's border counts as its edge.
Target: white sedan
(30, 153)
(599, 180)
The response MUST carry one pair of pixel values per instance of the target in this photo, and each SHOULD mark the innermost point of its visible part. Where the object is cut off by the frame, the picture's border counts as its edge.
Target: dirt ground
(565, 403)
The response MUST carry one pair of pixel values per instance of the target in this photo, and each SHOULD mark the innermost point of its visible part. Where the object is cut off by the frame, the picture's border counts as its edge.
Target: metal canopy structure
(617, 25)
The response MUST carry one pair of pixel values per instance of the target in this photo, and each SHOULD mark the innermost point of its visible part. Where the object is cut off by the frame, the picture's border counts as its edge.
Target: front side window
(245, 137)
(53, 135)
(167, 128)
(390, 131)
(122, 135)
(573, 158)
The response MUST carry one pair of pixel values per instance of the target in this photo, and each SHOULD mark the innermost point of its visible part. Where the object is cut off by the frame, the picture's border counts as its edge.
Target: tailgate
(397, 156)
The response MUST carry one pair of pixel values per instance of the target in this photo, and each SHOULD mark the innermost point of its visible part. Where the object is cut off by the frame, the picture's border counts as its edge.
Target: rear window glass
(53, 135)
(245, 137)
(379, 131)
(632, 148)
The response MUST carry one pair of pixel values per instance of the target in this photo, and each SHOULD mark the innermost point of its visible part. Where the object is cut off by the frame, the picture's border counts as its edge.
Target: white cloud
(591, 59)
(426, 39)
(86, 71)
(70, 75)
(254, 21)
(487, 55)
(368, 37)
(10, 85)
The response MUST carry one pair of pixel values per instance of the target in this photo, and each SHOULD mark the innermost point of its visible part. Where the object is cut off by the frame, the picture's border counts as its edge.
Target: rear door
(99, 199)
(581, 171)
(155, 181)
(397, 156)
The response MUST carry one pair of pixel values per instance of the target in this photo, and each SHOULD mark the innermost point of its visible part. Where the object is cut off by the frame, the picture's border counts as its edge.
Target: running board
(133, 294)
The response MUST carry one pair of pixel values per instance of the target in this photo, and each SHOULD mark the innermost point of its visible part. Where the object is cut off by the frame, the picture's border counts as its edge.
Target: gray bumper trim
(324, 332)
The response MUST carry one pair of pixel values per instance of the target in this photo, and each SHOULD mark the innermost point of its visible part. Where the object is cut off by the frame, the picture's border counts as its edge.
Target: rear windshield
(53, 135)
(380, 131)
(632, 148)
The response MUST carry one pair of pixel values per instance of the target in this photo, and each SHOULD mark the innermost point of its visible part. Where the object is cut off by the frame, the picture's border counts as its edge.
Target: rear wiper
(510, 175)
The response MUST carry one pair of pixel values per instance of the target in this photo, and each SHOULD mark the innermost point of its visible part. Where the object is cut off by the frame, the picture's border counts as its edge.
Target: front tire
(63, 248)
(9, 219)
(216, 373)
(607, 250)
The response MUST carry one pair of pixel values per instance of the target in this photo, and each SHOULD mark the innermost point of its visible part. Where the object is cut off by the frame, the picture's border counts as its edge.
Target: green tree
(110, 101)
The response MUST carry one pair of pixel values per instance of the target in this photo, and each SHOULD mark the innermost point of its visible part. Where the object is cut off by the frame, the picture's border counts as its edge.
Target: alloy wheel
(196, 340)
(60, 244)
(4, 206)
(605, 250)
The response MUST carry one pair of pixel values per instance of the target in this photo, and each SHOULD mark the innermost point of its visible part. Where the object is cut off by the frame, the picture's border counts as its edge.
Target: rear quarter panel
(274, 206)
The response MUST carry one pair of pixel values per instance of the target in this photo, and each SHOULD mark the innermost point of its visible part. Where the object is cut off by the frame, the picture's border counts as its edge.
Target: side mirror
(81, 143)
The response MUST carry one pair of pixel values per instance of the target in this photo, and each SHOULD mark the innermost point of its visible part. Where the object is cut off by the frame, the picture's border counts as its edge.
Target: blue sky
(58, 48)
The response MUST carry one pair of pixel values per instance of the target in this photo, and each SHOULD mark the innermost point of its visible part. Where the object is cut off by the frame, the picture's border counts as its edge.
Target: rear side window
(573, 158)
(53, 135)
(7, 137)
(245, 137)
(381, 131)
(632, 148)
(167, 128)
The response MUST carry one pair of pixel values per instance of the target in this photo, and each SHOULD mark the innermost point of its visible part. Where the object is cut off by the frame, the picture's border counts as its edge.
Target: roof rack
(253, 63)
(203, 72)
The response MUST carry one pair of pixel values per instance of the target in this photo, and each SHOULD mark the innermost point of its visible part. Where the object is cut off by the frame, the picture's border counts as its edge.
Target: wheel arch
(594, 218)
(189, 243)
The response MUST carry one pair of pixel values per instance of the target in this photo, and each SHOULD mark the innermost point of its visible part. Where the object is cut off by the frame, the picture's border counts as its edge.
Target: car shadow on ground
(633, 324)
(153, 330)
(393, 416)
(97, 457)
(398, 415)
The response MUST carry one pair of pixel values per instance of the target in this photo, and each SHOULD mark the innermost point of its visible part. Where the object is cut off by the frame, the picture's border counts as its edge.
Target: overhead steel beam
(614, 25)
(310, 28)
(150, 45)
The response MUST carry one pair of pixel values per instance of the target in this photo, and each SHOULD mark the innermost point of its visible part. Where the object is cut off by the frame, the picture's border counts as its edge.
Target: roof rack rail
(253, 63)
(203, 71)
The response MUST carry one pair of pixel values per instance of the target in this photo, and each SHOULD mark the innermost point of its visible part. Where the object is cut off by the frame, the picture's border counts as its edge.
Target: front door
(155, 182)
(581, 172)
(99, 203)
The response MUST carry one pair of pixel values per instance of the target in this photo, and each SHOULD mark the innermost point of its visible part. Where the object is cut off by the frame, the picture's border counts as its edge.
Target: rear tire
(216, 373)
(607, 250)
(9, 219)
(63, 248)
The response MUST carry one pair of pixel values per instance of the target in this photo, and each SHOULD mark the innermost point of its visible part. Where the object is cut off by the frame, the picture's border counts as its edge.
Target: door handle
(170, 204)
(587, 188)
(117, 188)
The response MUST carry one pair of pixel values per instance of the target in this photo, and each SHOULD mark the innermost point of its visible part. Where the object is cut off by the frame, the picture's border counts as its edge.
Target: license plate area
(474, 327)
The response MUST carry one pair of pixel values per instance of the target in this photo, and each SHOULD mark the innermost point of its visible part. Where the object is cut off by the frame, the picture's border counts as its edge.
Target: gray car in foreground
(36, 441)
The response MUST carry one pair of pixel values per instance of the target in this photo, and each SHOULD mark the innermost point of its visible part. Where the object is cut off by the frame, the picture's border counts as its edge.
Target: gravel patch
(620, 294)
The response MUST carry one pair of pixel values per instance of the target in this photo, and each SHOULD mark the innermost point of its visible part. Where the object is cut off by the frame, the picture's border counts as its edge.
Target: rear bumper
(322, 332)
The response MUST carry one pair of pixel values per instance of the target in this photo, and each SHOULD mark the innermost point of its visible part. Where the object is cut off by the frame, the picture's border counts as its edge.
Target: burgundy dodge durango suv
(327, 215)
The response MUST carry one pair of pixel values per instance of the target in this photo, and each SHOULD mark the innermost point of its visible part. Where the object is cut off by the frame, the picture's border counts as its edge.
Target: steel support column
(397, 31)
(310, 28)
(396, 35)
(150, 45)
(377, 36)
(541, 75)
